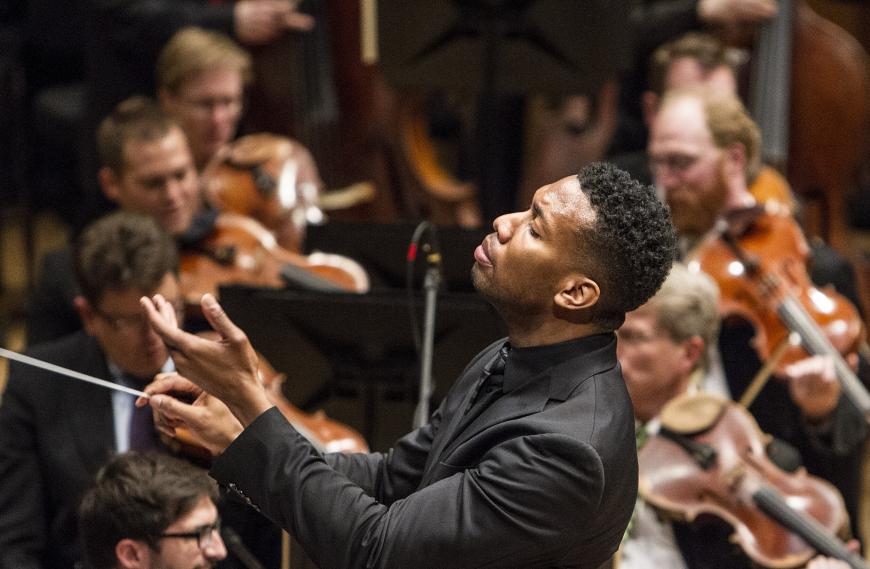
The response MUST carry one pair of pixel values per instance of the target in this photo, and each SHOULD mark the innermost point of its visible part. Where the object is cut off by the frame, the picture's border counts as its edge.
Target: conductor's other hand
(226, 367)
(258, 22)
(208, 422)
(736, 11)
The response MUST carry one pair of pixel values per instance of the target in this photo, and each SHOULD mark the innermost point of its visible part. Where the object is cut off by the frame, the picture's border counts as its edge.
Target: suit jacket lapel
(90, 414)
(447, 434)
(531, 398)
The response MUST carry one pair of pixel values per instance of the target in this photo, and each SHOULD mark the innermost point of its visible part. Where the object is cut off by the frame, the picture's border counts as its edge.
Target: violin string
(69, 373)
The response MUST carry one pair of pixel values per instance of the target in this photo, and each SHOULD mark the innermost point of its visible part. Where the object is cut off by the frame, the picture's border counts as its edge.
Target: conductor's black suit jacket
(546, 476)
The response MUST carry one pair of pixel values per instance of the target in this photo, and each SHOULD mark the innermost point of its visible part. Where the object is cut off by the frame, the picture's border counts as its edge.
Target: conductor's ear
(578, 292)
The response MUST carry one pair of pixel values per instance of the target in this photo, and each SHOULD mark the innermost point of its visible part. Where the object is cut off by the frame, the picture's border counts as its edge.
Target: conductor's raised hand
(226, 367)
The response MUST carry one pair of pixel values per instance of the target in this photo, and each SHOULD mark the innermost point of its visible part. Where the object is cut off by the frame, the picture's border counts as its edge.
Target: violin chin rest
(692, 413)
(298, 278)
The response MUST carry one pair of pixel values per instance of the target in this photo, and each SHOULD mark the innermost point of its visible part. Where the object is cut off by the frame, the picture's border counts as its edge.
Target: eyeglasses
(208, 106)
(135, 322)
(673, 163)
(204, 535)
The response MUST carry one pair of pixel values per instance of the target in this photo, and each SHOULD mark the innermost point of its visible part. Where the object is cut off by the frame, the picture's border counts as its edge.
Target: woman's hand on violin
(827, 563)
(209, 421)
(226, 368)
(813, 386)
(736, 11)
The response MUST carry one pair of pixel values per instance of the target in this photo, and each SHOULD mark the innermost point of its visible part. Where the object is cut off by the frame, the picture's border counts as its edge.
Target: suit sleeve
(22, 524)
(499, 513)
(395, 474)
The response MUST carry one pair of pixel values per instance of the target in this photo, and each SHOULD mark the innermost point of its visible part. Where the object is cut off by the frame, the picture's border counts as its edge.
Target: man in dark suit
(55, 432)
(528, 462)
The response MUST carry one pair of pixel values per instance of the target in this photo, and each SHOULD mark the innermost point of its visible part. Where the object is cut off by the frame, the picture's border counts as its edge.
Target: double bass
(358, 128)
(810, 93)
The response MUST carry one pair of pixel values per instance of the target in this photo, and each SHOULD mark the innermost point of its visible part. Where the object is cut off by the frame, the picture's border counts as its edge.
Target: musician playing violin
(201, 80)
(665, 349)
(146, 168)
(55, 432)
(702, 149)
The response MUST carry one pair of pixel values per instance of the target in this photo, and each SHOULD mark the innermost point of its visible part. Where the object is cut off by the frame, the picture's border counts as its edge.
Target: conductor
(529, 461)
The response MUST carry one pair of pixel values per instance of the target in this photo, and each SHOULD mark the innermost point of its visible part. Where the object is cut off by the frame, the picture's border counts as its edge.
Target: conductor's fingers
(174, 410)
(165, 326)
(219, 320)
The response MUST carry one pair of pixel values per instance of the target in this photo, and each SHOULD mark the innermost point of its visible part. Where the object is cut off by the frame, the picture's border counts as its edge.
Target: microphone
(432, 247)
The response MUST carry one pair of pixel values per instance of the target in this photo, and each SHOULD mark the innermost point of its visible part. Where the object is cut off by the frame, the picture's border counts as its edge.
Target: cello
(357, 127)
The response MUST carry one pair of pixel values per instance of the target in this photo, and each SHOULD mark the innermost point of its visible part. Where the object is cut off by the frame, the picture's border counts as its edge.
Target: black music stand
(336, 343)
(500, 49)
(381, 248)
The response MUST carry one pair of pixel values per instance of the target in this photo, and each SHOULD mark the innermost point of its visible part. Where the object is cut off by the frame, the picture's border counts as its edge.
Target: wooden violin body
(758, 257)
(325, 434)
(710, 459)
(772, 239)
(269, 178)
(240, 250)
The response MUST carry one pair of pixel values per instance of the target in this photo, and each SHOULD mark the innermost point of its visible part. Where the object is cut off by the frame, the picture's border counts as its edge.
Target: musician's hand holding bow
(205, 417)
(813, 386)
(225, 368)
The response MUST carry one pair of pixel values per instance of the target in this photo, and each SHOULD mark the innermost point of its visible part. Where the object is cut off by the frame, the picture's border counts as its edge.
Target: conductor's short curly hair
(630, 247)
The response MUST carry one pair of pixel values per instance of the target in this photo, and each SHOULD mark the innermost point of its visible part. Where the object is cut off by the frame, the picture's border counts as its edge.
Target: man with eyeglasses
(151, 511)
(201, 78)
(55, 432)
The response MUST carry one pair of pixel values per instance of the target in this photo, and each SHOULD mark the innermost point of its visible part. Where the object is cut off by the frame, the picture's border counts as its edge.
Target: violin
(270, 178)
(240, 250)
(758, 257)
(709, 459)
